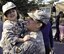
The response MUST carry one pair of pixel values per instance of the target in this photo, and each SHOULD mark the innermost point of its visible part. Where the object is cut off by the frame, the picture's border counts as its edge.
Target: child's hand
(26, 38)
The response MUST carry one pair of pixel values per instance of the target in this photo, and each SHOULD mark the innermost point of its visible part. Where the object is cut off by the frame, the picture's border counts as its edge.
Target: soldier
(46, 30)
(11, 41)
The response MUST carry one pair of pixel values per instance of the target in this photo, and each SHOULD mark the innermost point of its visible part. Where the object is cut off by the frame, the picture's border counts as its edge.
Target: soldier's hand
(26, 38)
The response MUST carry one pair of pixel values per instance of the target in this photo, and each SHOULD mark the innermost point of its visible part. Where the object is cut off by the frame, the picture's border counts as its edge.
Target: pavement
(58, 47)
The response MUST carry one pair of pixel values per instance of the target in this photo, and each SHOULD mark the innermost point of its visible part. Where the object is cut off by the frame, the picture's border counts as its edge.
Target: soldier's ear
(41, 24)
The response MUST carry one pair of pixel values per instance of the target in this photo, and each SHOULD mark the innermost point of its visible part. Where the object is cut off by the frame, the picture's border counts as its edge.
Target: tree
(22, 5)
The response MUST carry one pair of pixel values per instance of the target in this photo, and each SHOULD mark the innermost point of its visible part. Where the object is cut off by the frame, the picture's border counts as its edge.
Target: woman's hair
(61, 14)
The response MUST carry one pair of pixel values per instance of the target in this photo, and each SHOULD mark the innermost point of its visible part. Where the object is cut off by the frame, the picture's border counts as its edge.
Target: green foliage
(22, 5)
(51, 2)
(42, 5)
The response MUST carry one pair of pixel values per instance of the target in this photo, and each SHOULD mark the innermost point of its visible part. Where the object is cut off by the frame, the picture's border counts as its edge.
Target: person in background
(61, 27)
(48, 38)
(47, 35)
(57, 35)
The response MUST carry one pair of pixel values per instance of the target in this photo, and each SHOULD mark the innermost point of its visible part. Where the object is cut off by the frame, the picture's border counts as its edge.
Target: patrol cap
(39, 15)
(8, 6)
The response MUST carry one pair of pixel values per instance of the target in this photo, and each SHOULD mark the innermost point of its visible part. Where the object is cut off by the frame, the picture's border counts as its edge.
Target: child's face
(33, 25)
(12, 14)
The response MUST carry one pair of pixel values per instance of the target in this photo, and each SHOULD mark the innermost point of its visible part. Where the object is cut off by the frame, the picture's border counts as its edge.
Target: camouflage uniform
(38, 38)
(10, 34)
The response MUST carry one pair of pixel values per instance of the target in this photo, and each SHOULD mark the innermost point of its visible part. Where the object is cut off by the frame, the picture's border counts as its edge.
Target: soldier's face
(33, 25)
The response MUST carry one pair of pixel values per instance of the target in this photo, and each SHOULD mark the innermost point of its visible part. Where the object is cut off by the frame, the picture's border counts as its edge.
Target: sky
(50, 0)
(46, 0)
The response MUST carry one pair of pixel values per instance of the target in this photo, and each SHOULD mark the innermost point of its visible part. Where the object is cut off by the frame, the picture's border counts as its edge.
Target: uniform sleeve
(8, 32)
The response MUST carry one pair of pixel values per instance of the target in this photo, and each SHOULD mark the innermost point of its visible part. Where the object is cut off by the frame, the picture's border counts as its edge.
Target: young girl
(11, 30)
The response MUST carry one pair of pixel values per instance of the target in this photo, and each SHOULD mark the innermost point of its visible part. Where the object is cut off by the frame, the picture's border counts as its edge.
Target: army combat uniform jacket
(10, 34)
